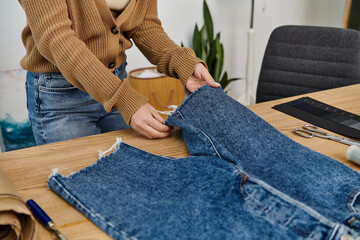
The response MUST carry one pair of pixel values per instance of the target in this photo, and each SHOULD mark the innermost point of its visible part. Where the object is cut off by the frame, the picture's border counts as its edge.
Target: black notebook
(323, 115)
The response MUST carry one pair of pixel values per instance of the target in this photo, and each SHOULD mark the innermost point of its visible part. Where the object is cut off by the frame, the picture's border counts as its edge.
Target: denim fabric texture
(243, 180)
(59, 111)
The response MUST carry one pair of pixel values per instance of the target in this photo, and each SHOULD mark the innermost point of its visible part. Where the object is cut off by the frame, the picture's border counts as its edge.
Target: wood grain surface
(29, 169)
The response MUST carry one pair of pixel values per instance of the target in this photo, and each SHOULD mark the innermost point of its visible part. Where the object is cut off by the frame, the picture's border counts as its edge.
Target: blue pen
(44, 219)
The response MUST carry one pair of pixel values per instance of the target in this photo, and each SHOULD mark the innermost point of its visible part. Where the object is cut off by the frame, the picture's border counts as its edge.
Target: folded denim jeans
(242, 180)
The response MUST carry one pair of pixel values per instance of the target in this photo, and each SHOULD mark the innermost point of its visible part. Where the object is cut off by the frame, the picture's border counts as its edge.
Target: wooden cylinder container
(161, 90)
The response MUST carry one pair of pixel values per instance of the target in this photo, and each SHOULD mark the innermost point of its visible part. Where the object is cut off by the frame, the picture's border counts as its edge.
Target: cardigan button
(111, 64)
(114, 30)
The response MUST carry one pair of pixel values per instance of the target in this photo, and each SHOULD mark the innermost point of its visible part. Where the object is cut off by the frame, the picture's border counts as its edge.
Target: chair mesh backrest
(303, 59)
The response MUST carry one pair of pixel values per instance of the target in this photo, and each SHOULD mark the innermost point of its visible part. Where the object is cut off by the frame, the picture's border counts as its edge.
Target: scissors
(310, 131)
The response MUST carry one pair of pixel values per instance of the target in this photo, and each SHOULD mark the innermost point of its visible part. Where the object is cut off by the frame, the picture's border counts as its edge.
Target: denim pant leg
(132, 194)
(59, 111)
(322, 183)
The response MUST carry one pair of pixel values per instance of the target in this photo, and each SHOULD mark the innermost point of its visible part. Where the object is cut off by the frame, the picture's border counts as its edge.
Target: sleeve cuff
(185, 65)
(126, 100)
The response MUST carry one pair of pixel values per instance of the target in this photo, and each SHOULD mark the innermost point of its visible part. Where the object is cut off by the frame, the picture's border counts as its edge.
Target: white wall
(231, 17)
(12, 21)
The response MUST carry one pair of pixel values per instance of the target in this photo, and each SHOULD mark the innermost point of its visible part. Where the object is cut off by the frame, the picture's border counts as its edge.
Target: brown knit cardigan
(82, 40)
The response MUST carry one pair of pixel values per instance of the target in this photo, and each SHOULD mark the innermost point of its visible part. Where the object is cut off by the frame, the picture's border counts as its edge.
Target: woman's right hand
(149, 123)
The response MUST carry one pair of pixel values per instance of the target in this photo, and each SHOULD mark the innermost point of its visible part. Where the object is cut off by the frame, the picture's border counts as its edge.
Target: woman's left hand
(200, 77)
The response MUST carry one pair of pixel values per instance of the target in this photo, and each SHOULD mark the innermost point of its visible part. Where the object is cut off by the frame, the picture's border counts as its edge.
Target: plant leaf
(208, 22)
(234, 79)
(228, 81)
(203, 55)
(197, 41)
(223, 81)
(219, 58)
(211, 57)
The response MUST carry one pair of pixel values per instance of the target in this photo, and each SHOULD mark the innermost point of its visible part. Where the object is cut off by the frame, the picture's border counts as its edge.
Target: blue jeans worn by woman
(59, 111)
(243, 180)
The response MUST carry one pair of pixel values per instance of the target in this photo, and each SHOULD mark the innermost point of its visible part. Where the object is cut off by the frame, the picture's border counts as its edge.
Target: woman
(75, 58)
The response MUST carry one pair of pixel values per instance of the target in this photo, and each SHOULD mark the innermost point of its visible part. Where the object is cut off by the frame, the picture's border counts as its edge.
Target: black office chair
(304, 59)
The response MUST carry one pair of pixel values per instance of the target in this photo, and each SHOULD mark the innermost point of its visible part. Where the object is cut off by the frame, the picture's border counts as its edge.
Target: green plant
(210, 49)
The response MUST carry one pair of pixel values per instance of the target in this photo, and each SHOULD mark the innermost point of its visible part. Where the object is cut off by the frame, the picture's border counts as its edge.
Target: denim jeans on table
(59, 111)
(243, 180)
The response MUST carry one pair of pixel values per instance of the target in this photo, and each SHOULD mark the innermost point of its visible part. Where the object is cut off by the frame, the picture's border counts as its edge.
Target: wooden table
(29, 169)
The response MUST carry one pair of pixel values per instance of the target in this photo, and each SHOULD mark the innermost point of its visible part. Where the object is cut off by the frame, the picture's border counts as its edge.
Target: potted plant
(209, 48)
